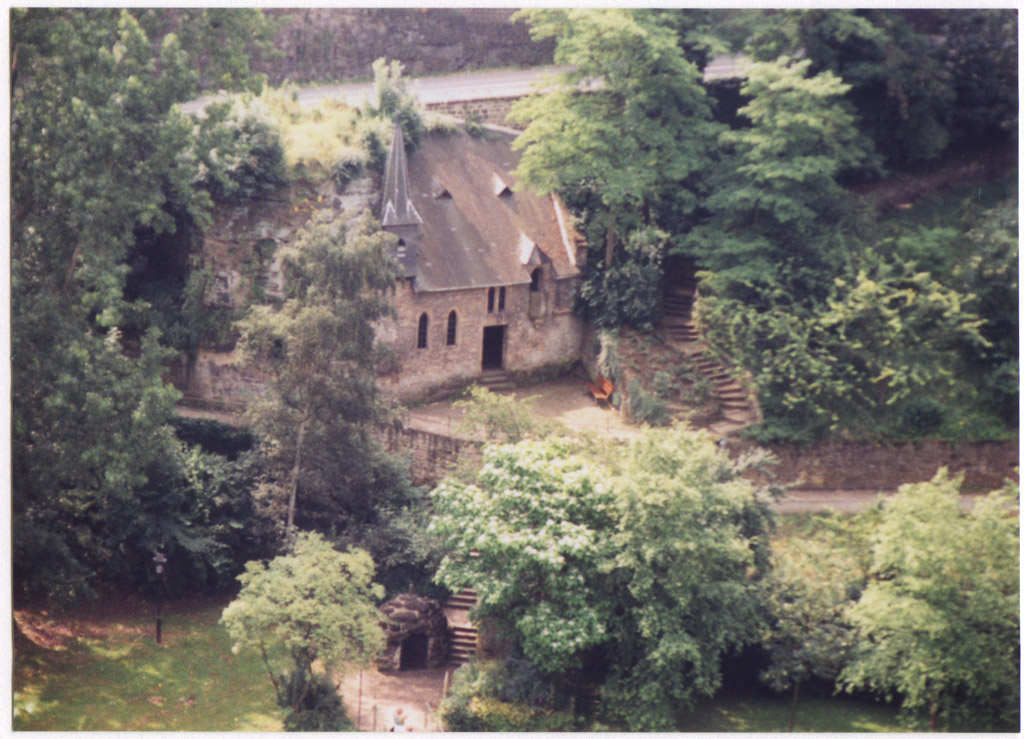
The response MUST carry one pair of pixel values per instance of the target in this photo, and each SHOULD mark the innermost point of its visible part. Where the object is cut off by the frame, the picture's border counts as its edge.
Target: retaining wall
(431, 456)
(488, 110)
(838, 466)
(865, 466)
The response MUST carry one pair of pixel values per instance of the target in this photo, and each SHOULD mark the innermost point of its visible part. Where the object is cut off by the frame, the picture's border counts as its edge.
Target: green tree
(623, 137)
(691, 539)
(811, 585)
(503, 418)
(99, 152)
(938, 624)
(979, 52)
(539, 517)
(395, 104)
(879, 337)
(776, 200)
(320, 348)
(603, 572)
(312, 609)
(897, 86)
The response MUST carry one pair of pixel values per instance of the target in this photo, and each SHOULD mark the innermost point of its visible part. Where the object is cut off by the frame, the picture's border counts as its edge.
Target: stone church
(489, 271)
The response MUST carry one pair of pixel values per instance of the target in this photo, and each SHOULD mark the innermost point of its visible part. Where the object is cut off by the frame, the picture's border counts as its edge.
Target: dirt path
(373, 697)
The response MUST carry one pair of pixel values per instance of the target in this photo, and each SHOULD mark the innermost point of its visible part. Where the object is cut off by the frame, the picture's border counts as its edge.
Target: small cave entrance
(414, 652)
(417, 634)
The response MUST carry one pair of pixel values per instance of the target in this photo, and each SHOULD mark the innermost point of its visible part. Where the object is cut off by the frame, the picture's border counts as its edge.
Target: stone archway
(417, 634)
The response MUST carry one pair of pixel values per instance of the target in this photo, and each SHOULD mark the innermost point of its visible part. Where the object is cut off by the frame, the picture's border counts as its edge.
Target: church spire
(397, 209)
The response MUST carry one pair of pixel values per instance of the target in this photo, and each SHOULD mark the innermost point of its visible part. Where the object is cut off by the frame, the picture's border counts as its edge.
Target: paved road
(494, 83)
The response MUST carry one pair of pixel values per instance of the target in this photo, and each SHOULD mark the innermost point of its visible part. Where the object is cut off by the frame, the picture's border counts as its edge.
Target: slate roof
(473, 229)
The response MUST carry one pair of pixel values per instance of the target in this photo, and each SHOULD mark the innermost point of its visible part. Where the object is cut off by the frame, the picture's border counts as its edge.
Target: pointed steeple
(397, 208)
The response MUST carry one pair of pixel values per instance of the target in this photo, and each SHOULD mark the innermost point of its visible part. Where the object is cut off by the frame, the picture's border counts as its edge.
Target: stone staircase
(462, 632)
(739, 407)
(496, 380)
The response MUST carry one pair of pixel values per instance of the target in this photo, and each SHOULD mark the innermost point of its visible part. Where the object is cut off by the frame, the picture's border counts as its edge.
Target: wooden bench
(602, 390)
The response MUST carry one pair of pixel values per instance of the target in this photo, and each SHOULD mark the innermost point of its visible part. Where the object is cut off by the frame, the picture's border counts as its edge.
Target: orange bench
(602, 390)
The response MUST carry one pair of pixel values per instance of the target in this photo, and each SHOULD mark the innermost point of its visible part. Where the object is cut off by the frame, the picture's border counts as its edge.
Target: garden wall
(865, 466)
(431, 456)
(837, 466)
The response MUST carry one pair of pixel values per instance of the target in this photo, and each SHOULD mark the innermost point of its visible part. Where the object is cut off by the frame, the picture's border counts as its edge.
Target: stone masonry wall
(840, 466)
(530, 344)
(865, 466)
(430, 456)
(322, 44)
(488, 110)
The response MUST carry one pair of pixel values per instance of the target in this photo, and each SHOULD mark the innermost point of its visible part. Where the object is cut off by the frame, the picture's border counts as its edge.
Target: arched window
(452, 325)
(490, 300)
(501, 299)
(535, 280)
(421, 338)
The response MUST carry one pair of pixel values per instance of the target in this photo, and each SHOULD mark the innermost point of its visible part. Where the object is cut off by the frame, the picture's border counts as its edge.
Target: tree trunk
(296, 470)
(792, 708)
(609, 247)
(933, 711)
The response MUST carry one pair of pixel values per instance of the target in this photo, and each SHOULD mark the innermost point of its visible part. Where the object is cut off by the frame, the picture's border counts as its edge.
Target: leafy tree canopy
(605, 573)
(623, 136)
(938, 624)
(311, 609)
(99, 154)
(321, 350)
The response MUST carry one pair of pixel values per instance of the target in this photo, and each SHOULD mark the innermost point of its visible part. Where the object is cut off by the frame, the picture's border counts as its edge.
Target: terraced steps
(462, 634)
(495, 380)
(678, 326)
(461, 645)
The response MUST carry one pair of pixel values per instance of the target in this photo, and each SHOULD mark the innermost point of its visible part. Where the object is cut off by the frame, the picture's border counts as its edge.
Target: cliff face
(331, 43)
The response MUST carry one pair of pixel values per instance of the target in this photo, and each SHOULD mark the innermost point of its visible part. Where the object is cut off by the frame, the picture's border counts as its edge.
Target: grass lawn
(118, 679)
(771, 714)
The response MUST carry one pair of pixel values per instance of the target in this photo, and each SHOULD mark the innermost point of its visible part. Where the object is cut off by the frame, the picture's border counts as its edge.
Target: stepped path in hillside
(462, 631)
(739, 405)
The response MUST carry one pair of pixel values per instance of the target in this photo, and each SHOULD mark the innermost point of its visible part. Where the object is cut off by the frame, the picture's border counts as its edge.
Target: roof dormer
(499, 186)
(438, 190)
(529, 253)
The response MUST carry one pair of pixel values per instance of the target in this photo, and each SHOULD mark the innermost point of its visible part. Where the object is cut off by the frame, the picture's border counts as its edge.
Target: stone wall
(321, 44)
(531, 344)
(488, 110)
(865, 466)
(430, 456)
(838, 466)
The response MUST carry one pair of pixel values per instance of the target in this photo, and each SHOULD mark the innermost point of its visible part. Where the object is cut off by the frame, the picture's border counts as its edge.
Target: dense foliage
(623, 137)
(100, 155)
(601, 571)
(938, 625)
(309, 612)
(848, 326)
(321, 350)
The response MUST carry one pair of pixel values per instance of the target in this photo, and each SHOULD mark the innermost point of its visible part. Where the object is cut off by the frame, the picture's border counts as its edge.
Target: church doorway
(494, 348)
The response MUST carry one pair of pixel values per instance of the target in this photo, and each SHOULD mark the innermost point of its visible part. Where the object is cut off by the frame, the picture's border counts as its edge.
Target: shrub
(645, 408)
(372, 139)
(609, 362)
(474, 126)
(322, 707)
(920, 417)
(507, 695)
(349, 165)
(663, 384)
(441, 124)
(245, 155)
